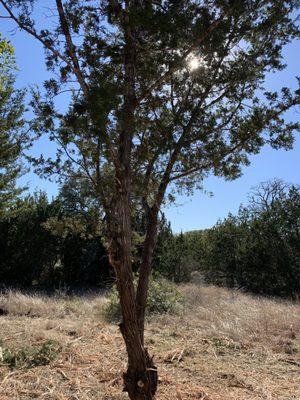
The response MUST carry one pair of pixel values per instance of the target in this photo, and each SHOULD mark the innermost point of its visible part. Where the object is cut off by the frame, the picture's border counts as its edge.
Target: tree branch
(71, 48)
(74, 65)
(175, 67)
(46, 44)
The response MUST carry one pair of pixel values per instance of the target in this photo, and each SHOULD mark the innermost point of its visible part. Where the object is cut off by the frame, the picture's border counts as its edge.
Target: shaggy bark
(145, 271)
(140, 380)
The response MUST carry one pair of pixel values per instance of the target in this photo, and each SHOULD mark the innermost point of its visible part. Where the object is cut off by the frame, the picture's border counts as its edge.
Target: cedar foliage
(257, 250)
(12, 134)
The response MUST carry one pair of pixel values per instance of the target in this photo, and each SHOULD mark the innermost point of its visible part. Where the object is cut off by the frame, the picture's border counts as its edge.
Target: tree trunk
(145, 270)
(140, 380)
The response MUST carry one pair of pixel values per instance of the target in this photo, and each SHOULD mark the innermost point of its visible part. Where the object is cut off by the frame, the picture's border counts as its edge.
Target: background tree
(28, 250)
(258, 249)
(12, 136)
(175, 255)
(262, 198)
(49, 244)
(220, 255)
(268, 250)
(83, 256)
(165, 94)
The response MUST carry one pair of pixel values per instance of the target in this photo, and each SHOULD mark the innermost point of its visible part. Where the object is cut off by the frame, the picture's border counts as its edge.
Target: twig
(290, 361)
(12, 336)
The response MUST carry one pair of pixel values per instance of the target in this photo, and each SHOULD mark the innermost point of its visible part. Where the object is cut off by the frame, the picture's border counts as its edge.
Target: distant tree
(12, 136)
(264, 196)
(269, 248)
(50, 243)
(28, 251)
(77, 228)
(164, 254)
(164, 94)
(181, 262)
(257, 250)
(176, 256)
(220, 256)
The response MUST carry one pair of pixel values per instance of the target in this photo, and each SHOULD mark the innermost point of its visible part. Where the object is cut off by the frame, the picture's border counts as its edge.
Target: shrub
(28, 357)
(163, 297)
(112, 309)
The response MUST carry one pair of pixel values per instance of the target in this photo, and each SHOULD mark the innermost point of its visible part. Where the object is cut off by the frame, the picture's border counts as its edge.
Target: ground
(221, 345)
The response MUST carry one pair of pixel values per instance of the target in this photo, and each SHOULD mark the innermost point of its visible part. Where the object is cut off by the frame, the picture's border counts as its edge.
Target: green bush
(112, 309)
(28, 357)
(163, 297)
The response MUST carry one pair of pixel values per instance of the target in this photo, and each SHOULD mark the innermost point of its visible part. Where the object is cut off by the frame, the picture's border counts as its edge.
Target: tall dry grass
(16, 303)
(239, 316)
(217, 311)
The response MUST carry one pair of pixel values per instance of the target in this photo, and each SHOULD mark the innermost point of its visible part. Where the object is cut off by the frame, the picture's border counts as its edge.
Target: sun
(193, 63)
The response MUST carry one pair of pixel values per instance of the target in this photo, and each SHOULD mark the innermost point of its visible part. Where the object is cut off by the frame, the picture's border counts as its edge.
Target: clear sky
(200, 210)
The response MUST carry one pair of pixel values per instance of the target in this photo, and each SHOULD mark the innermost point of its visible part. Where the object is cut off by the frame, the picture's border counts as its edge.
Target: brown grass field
(222, 345)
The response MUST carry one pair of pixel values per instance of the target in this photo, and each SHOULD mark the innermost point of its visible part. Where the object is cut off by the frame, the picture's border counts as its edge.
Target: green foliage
(176, 256)
(6, 48)
(220, 251)
(142, 123)
(259, 249)
(12, 135)
(163, 297)
(112, 309)
(45, 243)
(7, 62)
(28, 250)
(58, 243)
(221, 111)
(29, 357)
(268, 246)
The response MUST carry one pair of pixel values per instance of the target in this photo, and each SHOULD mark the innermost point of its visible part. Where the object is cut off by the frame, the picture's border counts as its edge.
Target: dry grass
(224, 345)
(240, 316)
(34, 305)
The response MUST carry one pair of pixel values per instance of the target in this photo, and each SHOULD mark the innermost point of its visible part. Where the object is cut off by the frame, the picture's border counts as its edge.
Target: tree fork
(145, 271)
(140, 379)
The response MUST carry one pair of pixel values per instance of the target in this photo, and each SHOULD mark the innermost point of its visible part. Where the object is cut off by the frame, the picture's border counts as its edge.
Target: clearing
(223, 345)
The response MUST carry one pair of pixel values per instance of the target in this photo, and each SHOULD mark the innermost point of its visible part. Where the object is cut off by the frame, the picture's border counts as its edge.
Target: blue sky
(200, 210)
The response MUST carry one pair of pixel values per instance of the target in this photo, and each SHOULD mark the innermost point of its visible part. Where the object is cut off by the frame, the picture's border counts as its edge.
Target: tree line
(59, 243)
(257, 250)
